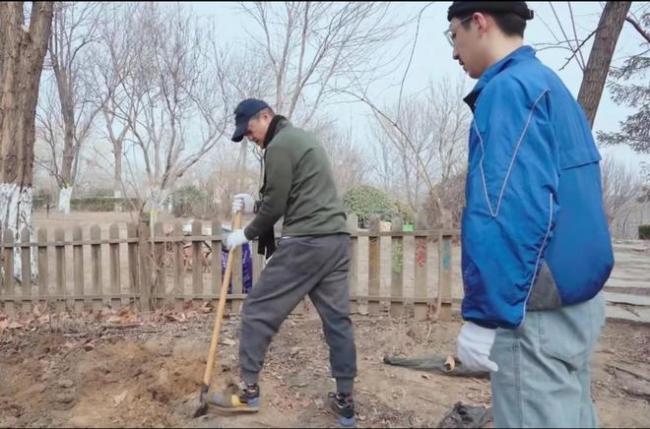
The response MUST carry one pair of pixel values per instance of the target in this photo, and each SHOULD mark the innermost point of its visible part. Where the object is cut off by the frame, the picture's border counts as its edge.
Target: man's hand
(243, 202)
(235, 238)
(474, 346)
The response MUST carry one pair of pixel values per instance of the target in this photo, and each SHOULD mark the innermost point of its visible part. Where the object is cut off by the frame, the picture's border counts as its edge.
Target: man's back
(314, 206)
(300, 186)
(579, 251)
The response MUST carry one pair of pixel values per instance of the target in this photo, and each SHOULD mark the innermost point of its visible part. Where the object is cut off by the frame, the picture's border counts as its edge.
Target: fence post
(78, 267)
(145, 254)
(114, 252)
(179, 267)
(397, 269)
(96, 261)
(215, 263)
(444, 277)
(43, 279)
(61, 277)
(374, 265)
(134, 263)
(421, 308)
(197, 260)
(9, 288)
(160, 274)
(353, 274)
(26, 270)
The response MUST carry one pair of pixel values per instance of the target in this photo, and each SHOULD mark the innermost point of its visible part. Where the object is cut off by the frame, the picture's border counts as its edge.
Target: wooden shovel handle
(220, 307)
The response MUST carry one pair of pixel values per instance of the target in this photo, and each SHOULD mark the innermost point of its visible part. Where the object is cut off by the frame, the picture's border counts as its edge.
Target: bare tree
(181, 113)
(114, 62)
(600, 57)
(619, 186)
(73, 31)
(22, 50)
(313, 49)
(348, 162)
(243, 76)
(630, 87)
(605, 35)
(423, 148)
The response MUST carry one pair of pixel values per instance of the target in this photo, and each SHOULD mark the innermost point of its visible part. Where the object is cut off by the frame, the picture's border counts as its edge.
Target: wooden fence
(165, 266)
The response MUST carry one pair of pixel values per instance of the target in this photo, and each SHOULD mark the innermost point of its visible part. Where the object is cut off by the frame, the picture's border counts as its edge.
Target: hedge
(644, 232)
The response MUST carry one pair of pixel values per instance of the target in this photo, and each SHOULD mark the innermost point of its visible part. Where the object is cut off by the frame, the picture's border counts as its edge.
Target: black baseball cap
(243, 113)
(463, 8)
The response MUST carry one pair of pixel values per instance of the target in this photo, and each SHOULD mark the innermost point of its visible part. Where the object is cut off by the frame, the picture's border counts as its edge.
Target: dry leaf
(450, 363)
(15, 325)
(176, 317)
(37, 311)
(114, 319)
(124, 311)
(206, 307)
(119, 398)
(227, 342)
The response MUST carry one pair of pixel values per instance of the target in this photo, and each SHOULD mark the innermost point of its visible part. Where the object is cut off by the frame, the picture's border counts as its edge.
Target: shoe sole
(345, 422)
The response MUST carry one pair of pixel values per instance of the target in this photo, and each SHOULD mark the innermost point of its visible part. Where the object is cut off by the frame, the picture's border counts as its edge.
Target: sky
(432, 56)
(432, 61)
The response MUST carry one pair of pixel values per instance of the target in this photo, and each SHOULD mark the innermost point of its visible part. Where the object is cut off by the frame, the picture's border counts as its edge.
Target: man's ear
(482, 21)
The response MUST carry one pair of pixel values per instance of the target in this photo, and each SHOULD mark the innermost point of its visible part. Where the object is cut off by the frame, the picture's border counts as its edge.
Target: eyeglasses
(451, 34)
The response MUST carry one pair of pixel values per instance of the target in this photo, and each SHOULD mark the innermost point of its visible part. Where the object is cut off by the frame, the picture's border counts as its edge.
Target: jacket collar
(523, 53)
(277, 123)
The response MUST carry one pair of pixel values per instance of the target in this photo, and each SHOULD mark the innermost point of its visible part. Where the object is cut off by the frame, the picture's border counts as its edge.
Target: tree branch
(638, 28)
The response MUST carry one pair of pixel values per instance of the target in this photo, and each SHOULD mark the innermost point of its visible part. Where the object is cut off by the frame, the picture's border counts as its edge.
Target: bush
(101, 204)
(644, 232)
(405, 212)
(365, 200)
(190, 201)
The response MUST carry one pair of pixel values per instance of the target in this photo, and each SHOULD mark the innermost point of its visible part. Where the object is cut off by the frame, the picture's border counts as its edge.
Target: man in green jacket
(312, 258)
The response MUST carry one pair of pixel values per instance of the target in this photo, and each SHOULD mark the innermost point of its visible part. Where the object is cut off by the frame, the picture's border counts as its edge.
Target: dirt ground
(115, 370)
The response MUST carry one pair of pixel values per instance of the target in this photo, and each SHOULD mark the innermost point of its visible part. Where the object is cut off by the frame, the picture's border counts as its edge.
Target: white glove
(235, 238)
(243, 202)
(474, 346)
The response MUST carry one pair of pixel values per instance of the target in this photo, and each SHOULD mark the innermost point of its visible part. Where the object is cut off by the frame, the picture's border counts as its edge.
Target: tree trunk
(63, 76)
(23, 51)
(65, 195)
(595, 75)
(117, 176)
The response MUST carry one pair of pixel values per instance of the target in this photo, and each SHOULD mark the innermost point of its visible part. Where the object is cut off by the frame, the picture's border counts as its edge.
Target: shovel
(203, 396)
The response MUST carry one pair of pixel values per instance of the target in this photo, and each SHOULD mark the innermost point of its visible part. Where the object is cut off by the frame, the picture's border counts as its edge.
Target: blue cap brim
(239, 132)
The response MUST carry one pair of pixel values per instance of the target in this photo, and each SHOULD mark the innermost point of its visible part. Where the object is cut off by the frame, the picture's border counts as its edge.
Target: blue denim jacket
(533, 195)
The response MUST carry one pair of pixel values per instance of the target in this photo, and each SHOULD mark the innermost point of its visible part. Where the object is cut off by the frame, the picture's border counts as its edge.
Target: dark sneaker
(246, 399)
(342, 405)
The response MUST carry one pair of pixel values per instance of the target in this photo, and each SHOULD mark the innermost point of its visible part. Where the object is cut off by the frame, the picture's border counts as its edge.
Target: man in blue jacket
(536, 249)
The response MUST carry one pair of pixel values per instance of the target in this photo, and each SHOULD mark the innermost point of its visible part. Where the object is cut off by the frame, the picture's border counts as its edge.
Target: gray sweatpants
(315, 266)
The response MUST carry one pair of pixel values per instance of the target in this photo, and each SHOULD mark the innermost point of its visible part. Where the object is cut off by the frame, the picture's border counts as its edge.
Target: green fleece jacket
(299, 186)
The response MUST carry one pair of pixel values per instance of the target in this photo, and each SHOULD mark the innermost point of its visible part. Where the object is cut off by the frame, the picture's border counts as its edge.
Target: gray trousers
(545, 366)
(315, 266)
